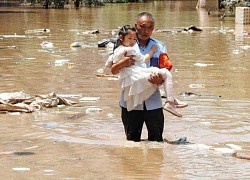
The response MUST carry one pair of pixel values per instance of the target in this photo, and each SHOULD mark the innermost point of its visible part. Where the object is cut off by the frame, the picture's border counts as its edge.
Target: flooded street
(211, 73)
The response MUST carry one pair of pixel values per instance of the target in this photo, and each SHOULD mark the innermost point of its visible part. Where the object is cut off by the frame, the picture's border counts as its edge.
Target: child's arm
(150, 53)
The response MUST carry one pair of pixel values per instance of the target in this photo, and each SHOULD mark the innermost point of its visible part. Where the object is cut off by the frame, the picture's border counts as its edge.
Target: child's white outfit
(134, 79)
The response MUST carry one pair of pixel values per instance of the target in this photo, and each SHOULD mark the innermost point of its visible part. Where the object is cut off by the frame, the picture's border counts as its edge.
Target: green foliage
(59, 4)
(230, 5)
(93, 3)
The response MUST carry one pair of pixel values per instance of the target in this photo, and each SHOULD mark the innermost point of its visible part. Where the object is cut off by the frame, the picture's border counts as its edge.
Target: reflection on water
(212, 64)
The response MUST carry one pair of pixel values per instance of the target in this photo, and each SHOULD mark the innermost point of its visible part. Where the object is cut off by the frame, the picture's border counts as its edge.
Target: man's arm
(157, 78)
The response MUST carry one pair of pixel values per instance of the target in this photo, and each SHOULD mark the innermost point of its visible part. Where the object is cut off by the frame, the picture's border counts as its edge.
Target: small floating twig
(106, 75)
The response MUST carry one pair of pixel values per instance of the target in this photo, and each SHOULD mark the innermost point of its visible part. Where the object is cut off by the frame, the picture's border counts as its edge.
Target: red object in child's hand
(164, 62)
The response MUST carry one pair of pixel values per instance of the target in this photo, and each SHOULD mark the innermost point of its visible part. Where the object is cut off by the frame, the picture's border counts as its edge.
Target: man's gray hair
(145, 14)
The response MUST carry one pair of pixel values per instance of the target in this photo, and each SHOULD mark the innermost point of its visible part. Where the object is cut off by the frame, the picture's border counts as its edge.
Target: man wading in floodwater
(150, 111)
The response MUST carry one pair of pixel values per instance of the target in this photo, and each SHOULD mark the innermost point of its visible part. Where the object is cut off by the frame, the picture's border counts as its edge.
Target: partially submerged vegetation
(59, 4)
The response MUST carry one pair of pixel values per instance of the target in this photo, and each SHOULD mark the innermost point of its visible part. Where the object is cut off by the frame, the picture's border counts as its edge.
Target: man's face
(144, 27)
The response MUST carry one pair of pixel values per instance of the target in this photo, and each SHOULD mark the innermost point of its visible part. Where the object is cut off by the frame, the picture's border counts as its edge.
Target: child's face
(129, 39)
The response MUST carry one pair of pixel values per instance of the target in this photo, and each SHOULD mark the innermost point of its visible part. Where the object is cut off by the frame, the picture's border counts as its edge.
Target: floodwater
(67, 143)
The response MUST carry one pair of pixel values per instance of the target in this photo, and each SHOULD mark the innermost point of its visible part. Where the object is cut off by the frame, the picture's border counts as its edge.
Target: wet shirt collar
(146, 43)
(144, 50)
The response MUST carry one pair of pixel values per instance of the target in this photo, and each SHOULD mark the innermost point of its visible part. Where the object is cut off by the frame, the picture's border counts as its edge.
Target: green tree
(230, 5)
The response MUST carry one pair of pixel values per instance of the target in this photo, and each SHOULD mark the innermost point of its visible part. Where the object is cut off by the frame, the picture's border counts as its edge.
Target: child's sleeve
(109, 61)
(118, 54)
(136, 52)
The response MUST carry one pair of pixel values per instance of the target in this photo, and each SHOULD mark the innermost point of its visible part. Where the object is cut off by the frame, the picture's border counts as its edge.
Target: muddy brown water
(66, 143)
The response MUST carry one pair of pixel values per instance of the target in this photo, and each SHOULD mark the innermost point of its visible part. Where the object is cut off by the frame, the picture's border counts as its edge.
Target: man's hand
(156, 79)
(124, 62)
(128, 61)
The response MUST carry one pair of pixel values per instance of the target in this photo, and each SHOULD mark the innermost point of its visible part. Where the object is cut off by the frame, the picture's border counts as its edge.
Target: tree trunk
(201, 4)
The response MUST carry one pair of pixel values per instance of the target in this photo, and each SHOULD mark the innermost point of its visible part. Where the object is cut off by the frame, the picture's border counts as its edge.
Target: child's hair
(123, 31)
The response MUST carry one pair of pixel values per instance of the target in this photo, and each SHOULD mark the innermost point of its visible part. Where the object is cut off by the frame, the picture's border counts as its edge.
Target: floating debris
(14, 113)
(70, 95)
(7, 47)
(191, 28)
(110, 115)
(113, 78)
(245, 47)
(21, 102)
(225, 151)
(95, 31)
(236, 51)
(100, 71)
(13, 36)
(61, 62)
(47, 45)
(224, 30)
(200, 146)
(197, 85)
(89, 99)
(30, 58)
(32, 147)
(107, 75)
(105, 42)
(93, 110)
(203, 64)
(21, 169)
(76, 116)
(190, 94)
(37, 31)
(76, 44)
(16, 153)
(181, 140)
(48, 170)
(50, 124)
(233, 146)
